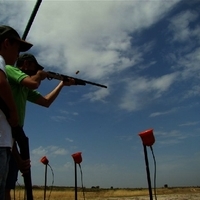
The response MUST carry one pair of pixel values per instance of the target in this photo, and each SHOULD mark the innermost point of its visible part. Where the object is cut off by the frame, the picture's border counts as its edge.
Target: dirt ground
(195, 196)
(189, 193)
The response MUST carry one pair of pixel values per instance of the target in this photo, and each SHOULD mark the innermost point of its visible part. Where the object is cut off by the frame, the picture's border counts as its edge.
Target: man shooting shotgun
(24, 79)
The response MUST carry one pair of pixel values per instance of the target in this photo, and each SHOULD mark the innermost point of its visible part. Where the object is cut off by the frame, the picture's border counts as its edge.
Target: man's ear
(6, 43)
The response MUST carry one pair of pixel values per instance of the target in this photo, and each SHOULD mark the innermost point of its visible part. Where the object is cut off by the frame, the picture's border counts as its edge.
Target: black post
(45, 182)
(75, 167)
(37, 5)
(148, 172)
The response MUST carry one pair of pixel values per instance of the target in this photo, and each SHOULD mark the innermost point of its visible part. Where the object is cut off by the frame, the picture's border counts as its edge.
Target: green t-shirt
(20, 93)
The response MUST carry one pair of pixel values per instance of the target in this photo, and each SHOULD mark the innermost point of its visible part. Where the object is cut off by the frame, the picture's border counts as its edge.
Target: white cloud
(86, 35)
(69, 140)
(60, 151)
(162, 83)
(39, 151)
(140, 91)
(65, 112)
(97, 95)
(190, 123)
(193, 91)
(190, 64)
(50, 150)
(170, 137)
(58, 118)
(180, 25)
(155, 114)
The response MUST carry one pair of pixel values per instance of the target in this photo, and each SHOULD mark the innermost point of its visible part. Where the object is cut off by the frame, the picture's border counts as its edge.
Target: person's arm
(47, 100)
(33, 82)
(6, 96)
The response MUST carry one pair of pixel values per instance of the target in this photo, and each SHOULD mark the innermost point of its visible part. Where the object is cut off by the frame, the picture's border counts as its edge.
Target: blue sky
(148, 54)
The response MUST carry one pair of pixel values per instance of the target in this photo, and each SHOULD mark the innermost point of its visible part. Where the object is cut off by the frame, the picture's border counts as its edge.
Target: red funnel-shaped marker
(44, 160)
(77, 157)
(147, 137)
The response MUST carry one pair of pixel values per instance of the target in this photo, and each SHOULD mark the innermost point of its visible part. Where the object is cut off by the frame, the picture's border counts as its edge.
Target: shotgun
(53, 75)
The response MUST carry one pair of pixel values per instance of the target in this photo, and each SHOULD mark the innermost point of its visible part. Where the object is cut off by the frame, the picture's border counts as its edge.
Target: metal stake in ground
(148, 140)
(45, 161)
(77, 160)
(148, 172)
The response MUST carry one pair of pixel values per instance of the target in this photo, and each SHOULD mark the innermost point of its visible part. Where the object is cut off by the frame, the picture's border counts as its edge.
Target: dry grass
(69, 194)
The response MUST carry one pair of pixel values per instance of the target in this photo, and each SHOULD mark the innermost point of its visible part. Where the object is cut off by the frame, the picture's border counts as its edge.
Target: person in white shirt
(10, 46)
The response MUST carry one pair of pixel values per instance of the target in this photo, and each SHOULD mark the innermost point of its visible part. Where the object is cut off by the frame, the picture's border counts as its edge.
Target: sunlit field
(63, 193)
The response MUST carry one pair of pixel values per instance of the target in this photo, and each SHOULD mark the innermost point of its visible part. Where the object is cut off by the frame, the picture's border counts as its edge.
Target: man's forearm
(48, 99)
(54, 93)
